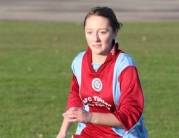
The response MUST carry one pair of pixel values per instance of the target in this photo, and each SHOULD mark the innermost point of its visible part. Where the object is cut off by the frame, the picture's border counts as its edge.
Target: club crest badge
(97, 84)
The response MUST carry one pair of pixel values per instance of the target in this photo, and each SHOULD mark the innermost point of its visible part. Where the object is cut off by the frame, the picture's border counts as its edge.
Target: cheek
(108, 39)
(87, 37)
(88, 41)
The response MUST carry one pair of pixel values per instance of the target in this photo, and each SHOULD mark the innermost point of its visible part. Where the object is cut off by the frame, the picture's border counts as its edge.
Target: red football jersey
(112, 87)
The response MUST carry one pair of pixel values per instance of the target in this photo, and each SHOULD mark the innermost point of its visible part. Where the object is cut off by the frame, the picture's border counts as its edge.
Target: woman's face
(99, 34)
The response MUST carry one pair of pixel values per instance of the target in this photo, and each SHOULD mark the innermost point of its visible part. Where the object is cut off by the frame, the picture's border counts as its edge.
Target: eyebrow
(98, 29)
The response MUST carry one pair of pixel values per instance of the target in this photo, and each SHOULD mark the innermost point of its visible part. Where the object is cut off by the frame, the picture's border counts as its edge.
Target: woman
(106, 97)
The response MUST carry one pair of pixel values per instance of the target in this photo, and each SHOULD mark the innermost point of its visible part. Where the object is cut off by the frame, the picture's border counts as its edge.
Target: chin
(97, 51)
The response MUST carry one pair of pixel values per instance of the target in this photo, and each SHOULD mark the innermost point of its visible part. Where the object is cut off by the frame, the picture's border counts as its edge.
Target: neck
(98, 59)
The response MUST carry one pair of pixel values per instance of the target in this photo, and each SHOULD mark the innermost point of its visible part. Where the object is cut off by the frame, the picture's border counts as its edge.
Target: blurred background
(40, 38)
(75, 10)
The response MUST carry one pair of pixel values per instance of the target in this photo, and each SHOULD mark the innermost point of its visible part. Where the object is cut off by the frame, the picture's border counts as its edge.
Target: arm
(76, 114)
(73, 100)
(106, 119)
(131, 102)
(64, 129)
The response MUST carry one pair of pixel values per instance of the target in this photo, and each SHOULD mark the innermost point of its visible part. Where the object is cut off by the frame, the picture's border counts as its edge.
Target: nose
(96, 37)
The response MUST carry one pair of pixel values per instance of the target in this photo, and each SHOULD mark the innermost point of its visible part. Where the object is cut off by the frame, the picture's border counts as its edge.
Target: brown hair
(105, 12)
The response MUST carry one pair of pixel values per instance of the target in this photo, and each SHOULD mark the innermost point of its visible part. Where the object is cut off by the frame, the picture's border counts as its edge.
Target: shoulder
(125, 59)
(78, 57)
(77, 61)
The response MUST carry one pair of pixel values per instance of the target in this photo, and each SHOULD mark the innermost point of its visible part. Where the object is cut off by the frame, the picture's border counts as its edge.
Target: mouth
(97, 45)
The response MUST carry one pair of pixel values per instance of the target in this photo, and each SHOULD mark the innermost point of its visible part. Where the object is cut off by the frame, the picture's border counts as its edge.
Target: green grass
(35, 74)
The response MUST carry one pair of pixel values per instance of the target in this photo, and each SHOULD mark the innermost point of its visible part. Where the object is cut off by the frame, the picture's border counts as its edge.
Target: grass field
(35, 59)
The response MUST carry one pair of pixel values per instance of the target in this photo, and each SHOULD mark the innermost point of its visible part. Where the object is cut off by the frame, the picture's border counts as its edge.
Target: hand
(76, 114)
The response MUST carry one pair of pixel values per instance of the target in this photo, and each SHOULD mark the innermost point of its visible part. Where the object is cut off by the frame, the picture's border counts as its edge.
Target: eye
(103, 32)
(89, 32)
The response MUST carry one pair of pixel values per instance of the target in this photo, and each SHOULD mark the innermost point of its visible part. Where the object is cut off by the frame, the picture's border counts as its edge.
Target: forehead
(94, 21)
